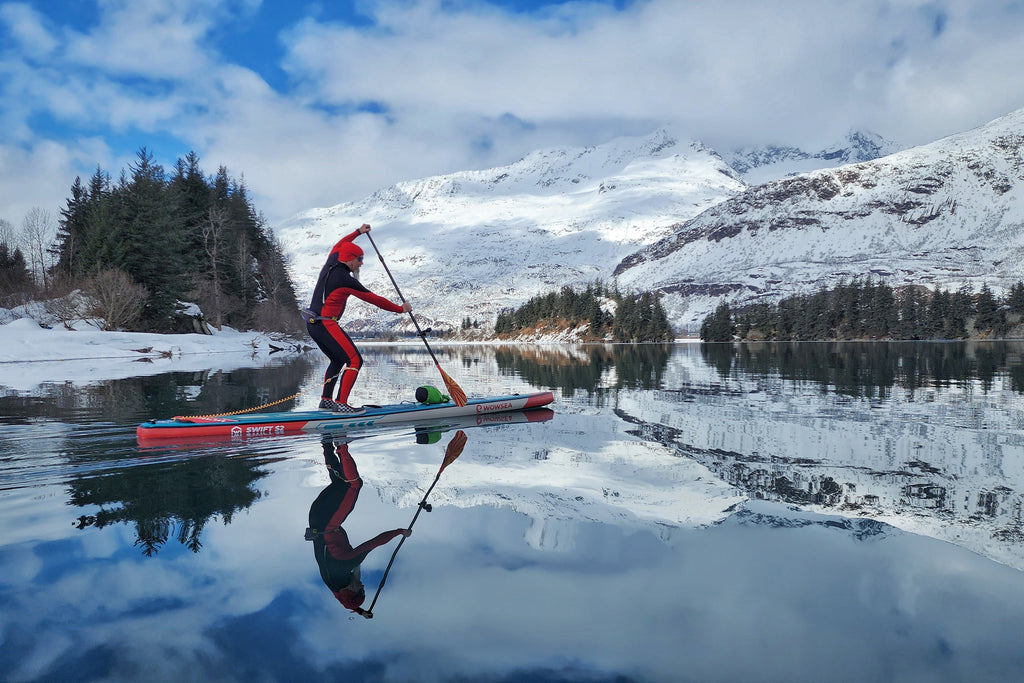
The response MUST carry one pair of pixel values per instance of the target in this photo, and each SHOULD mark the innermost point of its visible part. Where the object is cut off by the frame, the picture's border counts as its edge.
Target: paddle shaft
(400, 296)
(419, 508)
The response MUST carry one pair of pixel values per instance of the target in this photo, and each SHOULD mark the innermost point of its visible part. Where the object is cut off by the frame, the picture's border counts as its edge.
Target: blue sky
(316, 103)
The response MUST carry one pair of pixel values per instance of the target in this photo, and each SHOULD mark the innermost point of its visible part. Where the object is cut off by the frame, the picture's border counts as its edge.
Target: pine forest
(144, 244)
(866, 310)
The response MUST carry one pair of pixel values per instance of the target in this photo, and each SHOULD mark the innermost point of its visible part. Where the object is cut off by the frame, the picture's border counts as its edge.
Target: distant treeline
(865, 309)
(636, 318)
(156, 239)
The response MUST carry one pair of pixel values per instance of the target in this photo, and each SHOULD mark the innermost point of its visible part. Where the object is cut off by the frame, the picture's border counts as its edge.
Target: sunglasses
(360, 258)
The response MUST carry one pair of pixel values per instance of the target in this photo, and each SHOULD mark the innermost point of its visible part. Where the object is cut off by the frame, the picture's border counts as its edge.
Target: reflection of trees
(162, 500)
(175, 393)
(168, 500)
(635, 366)
(720, 356)
(872, 369)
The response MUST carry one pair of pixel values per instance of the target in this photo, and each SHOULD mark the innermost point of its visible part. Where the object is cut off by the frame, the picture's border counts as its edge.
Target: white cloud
(150, 39)
(28, 29)
(773, 68)
(41, 175)
(430, 87)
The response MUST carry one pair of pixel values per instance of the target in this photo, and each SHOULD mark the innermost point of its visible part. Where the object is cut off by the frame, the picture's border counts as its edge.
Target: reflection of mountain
(945, 462)
(753, 513)
(167, 500)
(577, 469)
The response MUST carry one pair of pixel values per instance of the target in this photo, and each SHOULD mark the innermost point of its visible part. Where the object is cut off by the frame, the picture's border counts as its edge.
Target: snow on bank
(31, 355)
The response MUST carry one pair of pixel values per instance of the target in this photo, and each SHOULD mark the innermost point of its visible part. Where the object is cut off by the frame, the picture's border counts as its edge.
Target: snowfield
(31, 354)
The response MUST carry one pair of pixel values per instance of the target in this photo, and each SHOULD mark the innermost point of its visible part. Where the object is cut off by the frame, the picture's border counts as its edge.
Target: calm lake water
(794, 512)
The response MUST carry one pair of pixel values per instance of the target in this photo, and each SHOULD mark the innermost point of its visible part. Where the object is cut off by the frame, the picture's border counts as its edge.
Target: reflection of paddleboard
(274, 424)
(484, 420)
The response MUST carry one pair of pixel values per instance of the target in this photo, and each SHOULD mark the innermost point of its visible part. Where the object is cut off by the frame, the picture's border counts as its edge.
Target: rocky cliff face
(942, 215)
(758, 165)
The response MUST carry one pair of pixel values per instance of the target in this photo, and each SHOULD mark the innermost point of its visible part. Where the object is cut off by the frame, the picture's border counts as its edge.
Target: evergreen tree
(71, 231)
(15, 278)
(939, 308)
(1015, 298)
(192, 199)
(637, 318)
(912, 314)
(881, 318)
(184, 238)
(151, 234)
(961, 307)
(718, 326)
(988, 316)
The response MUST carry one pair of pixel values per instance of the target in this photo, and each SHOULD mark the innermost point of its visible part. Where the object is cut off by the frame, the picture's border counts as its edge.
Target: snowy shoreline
(31, 355)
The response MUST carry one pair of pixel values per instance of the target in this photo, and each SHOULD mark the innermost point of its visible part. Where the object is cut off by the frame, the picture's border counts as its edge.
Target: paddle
(454, 390)
(453, 451)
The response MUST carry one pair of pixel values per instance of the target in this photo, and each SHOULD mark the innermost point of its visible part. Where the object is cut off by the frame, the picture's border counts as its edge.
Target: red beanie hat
(349, 598)
(347, 251)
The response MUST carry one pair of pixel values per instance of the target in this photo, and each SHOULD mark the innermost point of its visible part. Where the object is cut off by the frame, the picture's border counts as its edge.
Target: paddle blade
(454, 449)
(454, 390)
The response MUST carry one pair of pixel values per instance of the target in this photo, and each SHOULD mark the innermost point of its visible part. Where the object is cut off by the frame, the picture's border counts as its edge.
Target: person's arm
(361, 230)
(353, 287)
(380, 302)
(375, 542)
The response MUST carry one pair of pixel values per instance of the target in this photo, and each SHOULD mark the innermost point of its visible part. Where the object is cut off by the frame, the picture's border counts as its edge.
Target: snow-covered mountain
(663, 213)
(943, 214)
(758, 165)
(474, 242)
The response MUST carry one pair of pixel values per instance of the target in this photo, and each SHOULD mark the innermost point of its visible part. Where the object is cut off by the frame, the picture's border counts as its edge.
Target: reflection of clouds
(467, 596)
(155, 609)
(732, 602)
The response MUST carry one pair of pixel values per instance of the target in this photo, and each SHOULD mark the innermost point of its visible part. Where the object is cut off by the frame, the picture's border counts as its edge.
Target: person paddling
(338, 281)
(337, 559)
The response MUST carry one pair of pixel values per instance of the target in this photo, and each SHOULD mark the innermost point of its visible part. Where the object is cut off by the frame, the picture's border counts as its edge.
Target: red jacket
(336, 284)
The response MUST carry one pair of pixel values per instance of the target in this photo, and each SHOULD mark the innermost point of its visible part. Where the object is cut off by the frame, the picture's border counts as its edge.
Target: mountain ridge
(469, 244)
(758, 165)
(662, 213)
(942, 215)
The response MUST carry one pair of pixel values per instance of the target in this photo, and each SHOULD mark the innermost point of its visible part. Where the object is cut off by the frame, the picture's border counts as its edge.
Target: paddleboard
(252, 425)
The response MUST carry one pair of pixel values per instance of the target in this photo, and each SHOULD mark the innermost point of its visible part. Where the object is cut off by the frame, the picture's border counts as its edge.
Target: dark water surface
(791, 512)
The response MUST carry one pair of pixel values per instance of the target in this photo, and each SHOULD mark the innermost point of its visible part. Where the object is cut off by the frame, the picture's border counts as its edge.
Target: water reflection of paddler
(339, 562)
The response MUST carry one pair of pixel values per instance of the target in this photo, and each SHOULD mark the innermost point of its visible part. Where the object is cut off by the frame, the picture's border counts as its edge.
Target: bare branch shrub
(7, 234)
(271, 317)
(117, 300)
(66, 303)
